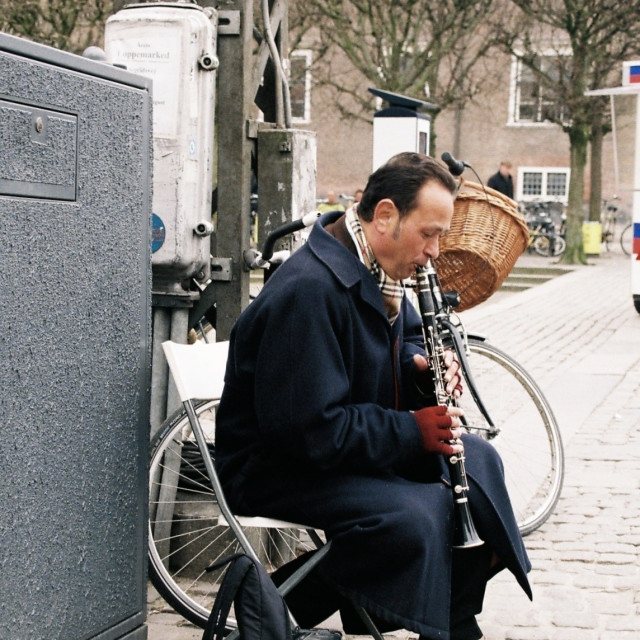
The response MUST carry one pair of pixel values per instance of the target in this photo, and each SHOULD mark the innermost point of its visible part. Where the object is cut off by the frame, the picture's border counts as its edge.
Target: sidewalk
(579, 336)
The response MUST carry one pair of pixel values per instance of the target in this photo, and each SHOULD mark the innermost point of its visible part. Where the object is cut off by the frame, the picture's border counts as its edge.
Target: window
(532, 100)
(542, 183)
(300, 85)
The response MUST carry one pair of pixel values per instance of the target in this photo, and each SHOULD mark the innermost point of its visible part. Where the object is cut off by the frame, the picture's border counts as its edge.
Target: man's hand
(452, 377)
(439, 426)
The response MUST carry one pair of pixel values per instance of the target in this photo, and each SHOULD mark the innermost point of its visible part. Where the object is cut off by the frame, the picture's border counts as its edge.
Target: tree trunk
(595, 197)
(457, 133)
(574, 253)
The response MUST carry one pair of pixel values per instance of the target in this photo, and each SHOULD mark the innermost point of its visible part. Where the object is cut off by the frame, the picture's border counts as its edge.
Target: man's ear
(384, 215)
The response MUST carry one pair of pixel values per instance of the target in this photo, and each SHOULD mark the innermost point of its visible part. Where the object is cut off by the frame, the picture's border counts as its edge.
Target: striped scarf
(392, 290)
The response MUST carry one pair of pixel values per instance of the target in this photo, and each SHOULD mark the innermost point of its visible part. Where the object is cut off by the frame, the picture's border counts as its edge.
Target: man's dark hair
(400, 179)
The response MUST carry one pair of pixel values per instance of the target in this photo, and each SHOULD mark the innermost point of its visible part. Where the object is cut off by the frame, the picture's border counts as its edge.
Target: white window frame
(306, 54)
(514, 88)
(543, 196)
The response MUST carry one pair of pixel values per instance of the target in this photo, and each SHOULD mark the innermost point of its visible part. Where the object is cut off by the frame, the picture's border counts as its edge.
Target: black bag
(260, 610)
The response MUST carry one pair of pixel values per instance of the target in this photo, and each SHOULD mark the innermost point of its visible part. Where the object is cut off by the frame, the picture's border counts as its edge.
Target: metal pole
(615, 145)
(159, 368)
(235, 149)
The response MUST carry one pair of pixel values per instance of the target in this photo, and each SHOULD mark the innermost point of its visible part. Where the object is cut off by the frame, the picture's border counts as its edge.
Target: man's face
(401, 245)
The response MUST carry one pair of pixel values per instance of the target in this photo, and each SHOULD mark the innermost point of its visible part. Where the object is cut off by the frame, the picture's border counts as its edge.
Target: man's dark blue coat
(314, 427)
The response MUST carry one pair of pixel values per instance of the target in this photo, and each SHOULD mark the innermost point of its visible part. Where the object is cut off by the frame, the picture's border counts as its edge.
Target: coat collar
(343, 263)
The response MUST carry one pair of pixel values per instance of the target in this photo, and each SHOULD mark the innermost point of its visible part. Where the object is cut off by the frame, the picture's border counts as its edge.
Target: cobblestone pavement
(579, 336)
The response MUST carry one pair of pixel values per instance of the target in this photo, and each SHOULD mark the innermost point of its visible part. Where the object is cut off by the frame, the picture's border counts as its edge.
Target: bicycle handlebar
(284, 230)
(260, 259)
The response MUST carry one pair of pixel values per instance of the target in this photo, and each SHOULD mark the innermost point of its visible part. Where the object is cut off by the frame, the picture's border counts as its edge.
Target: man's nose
(432, 248)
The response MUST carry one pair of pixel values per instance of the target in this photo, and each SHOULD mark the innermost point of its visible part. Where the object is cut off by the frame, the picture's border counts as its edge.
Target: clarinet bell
(465, 535)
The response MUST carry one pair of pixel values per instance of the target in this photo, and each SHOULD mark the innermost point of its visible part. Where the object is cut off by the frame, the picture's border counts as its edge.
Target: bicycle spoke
(185, 534)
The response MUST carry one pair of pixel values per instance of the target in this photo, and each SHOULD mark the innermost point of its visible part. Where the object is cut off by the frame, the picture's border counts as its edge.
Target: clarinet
(429, 295)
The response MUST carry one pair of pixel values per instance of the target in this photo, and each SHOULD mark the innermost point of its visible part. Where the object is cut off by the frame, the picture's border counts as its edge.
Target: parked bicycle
(503, 405)
(613, 217)
(609, 217)
(546, 227)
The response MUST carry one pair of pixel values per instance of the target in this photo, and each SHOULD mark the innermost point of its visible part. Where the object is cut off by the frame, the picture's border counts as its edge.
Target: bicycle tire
(560, 246)
(184, 534)
(626, 239)
(529, 440)
(542, 245)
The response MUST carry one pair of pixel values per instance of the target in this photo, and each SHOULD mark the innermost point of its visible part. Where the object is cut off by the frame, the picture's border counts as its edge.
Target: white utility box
(174, 44)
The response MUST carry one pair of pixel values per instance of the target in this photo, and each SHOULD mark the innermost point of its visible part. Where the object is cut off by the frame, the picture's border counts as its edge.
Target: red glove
(435, 427)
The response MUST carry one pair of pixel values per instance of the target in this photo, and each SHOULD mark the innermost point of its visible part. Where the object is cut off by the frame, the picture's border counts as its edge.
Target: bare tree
(572, 46)
(70, 25)
(426, 49)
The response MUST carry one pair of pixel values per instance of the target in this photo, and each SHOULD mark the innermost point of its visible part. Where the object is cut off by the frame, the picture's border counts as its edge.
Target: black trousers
(313, 600)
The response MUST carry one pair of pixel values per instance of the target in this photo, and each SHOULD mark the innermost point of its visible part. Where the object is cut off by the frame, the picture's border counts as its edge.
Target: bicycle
(611, 216)
(609, 219)
(626, 239)
(184, 533)
(545, 237)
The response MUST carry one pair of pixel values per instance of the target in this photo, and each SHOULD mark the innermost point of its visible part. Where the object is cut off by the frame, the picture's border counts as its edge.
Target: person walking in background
(502, 180)
(331, 204)
(357, 196)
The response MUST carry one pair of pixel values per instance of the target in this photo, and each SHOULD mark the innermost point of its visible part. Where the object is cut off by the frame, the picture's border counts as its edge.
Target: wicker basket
(487, 236)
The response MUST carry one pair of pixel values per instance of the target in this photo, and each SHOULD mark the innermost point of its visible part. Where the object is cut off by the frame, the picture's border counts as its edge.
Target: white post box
(399, 127)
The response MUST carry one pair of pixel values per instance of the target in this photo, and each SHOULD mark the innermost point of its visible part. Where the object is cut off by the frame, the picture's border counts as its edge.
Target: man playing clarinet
(329, 418)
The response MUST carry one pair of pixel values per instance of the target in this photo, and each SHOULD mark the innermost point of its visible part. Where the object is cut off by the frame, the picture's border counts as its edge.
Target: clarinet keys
(465, 535)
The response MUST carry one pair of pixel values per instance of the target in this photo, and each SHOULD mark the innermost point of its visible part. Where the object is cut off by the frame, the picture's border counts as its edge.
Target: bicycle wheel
(541, 245)
(626, 239)
(526, 436)
(560, 245)
(185, 535)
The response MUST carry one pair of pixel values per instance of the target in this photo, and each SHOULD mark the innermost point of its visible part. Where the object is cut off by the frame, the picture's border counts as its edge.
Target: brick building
(504, 123)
